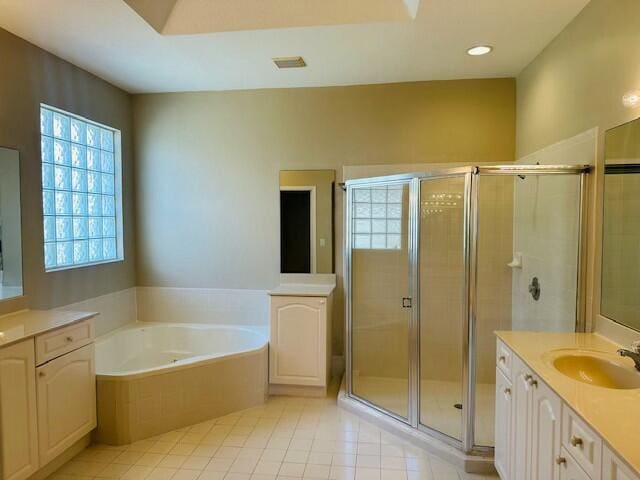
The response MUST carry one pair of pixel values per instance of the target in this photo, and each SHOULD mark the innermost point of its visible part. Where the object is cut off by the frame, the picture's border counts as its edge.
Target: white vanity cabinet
(66, 401)
(538, 437)
(546, 420)
(615, 469)
(47, 395)
(569, 468)
(504, 404)
(299, 347)
(525, 450)
(18, 416)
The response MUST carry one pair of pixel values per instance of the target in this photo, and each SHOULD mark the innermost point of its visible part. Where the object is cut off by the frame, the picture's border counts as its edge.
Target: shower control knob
(534, 288)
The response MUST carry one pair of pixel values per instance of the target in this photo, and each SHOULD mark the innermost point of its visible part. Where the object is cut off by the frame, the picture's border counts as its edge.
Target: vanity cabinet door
(66, 401)
(521, 421)
(569, 469)
(615, 469)
(18, 427)
(546, 416)
(503, 425)
(298, 346)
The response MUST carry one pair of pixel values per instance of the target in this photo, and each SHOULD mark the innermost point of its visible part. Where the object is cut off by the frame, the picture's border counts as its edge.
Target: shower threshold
(481, 463)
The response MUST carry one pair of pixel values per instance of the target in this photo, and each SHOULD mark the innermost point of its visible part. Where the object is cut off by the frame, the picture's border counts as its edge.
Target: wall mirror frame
(11, 278)
(307, 221)
(620, 272)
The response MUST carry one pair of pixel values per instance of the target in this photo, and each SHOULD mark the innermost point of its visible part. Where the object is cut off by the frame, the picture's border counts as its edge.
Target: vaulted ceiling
(187, 45)
(188, 17)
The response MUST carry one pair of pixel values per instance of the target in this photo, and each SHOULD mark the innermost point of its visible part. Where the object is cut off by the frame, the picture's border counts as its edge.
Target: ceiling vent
(290, 62)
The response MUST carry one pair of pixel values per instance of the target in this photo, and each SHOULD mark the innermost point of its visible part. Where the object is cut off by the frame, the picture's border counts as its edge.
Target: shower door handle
(406, 302)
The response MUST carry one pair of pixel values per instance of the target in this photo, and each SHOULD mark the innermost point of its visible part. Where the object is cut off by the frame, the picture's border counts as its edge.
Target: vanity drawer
(503, 358)
(584, 445)
(53, 344)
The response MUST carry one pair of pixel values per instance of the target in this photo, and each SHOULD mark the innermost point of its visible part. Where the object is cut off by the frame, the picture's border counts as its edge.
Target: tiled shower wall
(155, 304)
(546, 232)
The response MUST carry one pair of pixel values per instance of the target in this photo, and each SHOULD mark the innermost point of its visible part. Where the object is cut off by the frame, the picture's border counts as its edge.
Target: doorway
(297, 229)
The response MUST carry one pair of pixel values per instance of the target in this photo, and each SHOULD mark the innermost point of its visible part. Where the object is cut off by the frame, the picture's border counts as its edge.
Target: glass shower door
(443, 324)
(379, 247)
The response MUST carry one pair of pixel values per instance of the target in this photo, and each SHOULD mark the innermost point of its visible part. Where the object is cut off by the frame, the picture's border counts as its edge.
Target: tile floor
(437, 402)
(287, 438)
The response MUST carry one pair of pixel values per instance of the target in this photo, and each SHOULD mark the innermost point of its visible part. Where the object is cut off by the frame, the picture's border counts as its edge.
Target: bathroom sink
(600, 369)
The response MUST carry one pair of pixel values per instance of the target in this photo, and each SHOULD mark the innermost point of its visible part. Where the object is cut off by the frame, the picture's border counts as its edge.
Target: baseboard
(297, 390)
(63, 458)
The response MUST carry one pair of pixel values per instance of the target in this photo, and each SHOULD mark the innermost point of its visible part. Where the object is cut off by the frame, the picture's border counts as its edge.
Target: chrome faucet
(633, 353)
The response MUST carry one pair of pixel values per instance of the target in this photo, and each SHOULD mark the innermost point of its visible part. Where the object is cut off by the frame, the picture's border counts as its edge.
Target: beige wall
(324, 181)
(28, 77)
(577, 83)
(220, 152)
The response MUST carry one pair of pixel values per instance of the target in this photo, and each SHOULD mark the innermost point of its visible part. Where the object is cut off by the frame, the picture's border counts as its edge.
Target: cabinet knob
(507, 391)
(69, 339)
(41, 374)
(561, 460)
(532, 382)
(502, 359)
(527, 378)
(576, 441)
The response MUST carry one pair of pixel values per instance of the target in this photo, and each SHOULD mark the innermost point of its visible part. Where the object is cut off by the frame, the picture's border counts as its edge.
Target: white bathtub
(145, 347)
(155, 377)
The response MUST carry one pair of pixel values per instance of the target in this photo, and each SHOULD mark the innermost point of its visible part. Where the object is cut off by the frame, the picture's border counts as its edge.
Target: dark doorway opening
(295, 231)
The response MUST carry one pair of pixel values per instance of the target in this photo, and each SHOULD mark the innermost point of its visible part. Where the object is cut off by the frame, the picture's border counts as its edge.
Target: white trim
(312, 217)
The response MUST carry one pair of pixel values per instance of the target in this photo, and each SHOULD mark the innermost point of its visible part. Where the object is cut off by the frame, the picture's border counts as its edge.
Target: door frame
(409, 181)
(312, 218)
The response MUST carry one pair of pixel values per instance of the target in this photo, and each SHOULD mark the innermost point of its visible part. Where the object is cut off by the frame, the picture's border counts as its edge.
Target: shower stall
(435, 262)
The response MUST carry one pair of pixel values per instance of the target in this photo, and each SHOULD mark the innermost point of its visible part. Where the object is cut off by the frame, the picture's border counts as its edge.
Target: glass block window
(377, 217)
(81, 191)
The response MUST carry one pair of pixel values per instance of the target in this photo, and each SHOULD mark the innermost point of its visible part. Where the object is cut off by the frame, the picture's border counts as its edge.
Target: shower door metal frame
(467, 173)
(404, 179)
(472, 176)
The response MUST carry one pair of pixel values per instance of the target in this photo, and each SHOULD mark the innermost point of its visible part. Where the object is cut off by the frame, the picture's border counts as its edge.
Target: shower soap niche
(517, 260)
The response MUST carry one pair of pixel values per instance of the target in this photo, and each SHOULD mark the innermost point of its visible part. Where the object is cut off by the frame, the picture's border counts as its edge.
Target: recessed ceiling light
(479, 50)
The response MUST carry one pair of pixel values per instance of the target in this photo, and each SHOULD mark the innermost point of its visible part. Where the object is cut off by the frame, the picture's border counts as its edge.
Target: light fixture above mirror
(631, 99)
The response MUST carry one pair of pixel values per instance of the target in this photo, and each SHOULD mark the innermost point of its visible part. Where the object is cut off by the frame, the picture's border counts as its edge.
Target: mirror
(620, 292)
(306, 221)
(10, 225)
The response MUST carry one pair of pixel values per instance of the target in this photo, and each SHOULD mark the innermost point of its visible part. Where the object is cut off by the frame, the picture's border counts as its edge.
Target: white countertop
(303, 290)
(24, 324)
